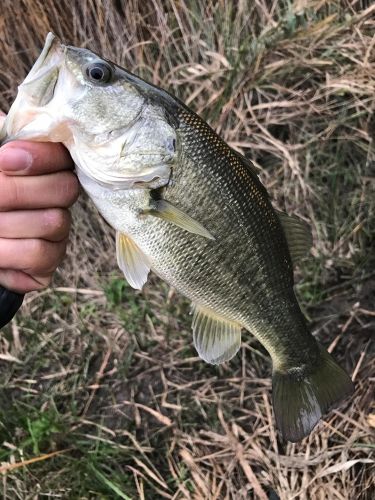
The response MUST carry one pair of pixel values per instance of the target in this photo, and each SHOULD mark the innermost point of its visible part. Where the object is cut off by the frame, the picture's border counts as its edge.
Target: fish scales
(231, 274)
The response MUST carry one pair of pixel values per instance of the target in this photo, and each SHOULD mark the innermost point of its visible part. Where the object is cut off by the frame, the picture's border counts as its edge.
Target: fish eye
(99, 72)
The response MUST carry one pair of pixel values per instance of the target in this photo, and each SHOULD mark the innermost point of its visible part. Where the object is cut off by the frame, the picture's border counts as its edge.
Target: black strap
(10, 302)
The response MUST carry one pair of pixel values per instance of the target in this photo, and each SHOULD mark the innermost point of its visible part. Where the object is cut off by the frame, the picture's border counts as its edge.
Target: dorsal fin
(298, 235)
(215, 338)
(132, 261)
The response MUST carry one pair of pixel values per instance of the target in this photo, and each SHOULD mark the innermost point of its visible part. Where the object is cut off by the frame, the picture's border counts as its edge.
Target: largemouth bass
(191, 209)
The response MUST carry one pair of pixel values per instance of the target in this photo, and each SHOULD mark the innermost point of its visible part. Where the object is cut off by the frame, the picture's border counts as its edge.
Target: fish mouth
(28, 117)
(156, 177)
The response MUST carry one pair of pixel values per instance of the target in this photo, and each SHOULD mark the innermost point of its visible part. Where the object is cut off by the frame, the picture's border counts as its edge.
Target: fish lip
(123, 183)
(51, 41)
(38, 71)
(155, 183)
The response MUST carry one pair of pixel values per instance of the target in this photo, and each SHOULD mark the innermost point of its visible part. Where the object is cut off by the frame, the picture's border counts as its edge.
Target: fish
(191, 209)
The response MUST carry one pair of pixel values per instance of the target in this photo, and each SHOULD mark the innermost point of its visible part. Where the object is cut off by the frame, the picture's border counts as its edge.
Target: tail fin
(300, 399)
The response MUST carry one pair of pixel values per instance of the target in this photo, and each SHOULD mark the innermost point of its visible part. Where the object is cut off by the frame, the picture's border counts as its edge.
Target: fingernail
(15, 159)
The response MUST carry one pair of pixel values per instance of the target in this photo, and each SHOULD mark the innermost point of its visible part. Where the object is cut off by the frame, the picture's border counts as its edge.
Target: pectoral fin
(298, 235)
(216, 339)
(168, 212)
(132, 261)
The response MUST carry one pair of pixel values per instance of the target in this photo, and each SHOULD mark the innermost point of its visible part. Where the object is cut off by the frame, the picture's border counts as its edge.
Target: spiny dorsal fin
(216, 339)
(132, 262)
(298, 235)
(168, 212)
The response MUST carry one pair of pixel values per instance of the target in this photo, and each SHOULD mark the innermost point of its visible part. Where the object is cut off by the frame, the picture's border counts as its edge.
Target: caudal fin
(300, 400)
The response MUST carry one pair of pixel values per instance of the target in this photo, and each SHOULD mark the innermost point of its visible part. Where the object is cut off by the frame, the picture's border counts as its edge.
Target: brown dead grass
(291, 87)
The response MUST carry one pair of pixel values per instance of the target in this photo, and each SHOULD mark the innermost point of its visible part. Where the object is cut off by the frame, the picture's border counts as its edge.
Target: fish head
(115, 125)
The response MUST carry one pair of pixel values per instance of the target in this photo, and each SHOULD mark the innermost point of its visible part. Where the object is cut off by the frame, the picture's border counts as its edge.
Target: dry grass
(108, 376)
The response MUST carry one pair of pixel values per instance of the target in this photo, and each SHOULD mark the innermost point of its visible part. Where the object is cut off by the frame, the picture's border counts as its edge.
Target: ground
(102, 393)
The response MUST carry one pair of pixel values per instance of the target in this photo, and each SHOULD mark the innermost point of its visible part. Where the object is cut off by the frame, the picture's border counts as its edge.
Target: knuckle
(42, 282)
(57, 222)
(38, 250)
(22, 282)
(41, 257)
(16, 194)
(69, 189)
(45, 256)
(6, 195)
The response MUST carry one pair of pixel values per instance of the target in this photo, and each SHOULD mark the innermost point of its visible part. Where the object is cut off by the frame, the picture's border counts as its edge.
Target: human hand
(37, 188)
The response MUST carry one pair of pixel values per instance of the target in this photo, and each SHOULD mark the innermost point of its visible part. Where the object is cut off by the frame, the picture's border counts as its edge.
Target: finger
(58, 190)
(20, 282)
(33, 256)
(34, 158)
(51, 224)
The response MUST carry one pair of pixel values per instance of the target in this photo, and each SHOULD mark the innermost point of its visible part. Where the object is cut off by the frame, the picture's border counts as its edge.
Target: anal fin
(216, 339)
(132, 261)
